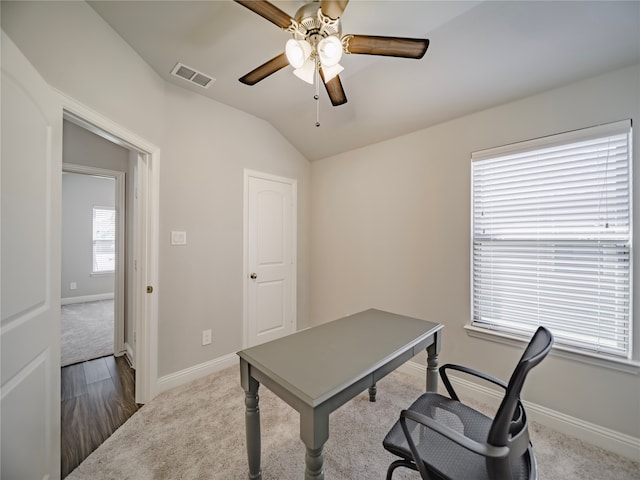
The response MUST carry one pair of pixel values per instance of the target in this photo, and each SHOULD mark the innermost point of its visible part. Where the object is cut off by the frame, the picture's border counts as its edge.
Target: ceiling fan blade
(333, 8)
(388, 46)
(335, 90)
(269, 11)
(266, 69)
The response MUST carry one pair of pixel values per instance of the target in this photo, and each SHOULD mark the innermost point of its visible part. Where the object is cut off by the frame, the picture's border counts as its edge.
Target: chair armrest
(470, 371)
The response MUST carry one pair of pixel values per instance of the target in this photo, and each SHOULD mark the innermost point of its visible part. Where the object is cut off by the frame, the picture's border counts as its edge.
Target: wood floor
(97, 397)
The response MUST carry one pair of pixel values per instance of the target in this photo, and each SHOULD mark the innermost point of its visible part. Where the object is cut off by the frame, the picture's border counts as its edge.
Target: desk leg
(252, 422)
(314, 432)
(314, 464)
(432, 364)
(372, 392)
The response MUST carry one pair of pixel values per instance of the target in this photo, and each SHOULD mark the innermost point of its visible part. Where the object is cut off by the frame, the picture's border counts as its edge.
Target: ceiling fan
(318, 44)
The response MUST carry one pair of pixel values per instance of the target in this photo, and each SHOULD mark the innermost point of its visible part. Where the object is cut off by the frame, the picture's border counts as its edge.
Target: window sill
(102, 274)
(621, 365)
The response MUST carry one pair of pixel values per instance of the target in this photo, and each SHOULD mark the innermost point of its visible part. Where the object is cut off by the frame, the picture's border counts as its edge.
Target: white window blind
(551, 234)
(104, 239)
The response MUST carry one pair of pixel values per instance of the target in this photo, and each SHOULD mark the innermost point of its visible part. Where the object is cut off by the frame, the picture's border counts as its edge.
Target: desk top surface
(316, 362)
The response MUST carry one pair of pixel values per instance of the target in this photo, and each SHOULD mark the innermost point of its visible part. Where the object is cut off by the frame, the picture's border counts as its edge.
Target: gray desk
(319, 369)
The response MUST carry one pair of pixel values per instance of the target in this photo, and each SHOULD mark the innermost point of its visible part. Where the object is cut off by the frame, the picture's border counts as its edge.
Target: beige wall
(204, 147)
(391, 230)
(80, 55)
(202, 194)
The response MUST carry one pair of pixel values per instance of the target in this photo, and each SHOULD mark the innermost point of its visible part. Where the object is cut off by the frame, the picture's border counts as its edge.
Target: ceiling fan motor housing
(313, 26)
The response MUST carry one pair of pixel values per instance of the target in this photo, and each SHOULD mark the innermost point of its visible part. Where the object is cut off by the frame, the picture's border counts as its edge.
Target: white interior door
(30, 284)
(270, 234)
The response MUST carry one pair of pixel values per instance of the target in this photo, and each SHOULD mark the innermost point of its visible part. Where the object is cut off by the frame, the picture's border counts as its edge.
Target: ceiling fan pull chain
(316, 97)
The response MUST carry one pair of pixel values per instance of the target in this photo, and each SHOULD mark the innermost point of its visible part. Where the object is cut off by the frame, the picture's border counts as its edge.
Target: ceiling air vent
(192, 75)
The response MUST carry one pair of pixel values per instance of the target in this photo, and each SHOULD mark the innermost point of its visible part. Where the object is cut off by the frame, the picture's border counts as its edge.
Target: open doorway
(92, 291)
(97, 213)
(141, 337)
(98, 291)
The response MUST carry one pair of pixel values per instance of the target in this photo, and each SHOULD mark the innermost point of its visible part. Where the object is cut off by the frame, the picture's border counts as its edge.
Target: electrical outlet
(178, 238)
(206, 337)
(73, 286)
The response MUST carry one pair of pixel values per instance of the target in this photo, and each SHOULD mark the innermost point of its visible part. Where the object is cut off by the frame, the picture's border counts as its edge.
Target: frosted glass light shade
(330, 72)
(306, 72)
(297, 52)
(330, 51)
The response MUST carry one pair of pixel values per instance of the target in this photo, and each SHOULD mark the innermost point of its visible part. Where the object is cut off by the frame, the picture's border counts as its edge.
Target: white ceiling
(482, 53)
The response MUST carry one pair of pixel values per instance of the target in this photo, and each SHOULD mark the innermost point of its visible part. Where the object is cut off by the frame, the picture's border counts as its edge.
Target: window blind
(104, 239)
(551, 238)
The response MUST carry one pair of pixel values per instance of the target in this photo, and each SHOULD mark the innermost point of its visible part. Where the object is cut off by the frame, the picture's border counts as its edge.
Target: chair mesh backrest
(538, 348)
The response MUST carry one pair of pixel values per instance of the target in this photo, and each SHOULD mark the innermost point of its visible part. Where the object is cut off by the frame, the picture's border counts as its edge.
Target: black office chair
(444, 439)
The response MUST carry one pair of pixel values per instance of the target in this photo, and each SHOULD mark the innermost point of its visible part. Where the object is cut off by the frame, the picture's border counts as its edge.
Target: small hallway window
(104, 239)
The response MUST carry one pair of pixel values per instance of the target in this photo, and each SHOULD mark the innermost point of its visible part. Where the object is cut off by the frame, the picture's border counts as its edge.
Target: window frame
(509, 337)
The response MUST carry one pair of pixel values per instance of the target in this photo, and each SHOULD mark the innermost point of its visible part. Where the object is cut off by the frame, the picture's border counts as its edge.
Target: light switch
(178, 238)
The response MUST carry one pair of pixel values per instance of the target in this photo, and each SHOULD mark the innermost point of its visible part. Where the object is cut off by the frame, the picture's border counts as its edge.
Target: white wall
(204, 146)
(391, 230)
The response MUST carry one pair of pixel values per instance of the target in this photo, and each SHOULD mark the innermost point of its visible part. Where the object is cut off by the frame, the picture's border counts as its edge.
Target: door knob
(254, 276)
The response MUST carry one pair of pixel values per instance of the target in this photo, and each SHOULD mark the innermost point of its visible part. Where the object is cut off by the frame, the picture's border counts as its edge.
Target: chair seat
(446, 459)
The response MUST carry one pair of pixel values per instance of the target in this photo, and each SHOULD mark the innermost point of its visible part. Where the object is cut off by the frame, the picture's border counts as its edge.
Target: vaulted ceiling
(482, 53)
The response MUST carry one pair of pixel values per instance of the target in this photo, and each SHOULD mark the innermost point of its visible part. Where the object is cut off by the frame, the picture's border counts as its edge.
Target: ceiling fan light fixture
(330, 51)
(330, 72)
(317, 45)
(306, 72)
(297, 52)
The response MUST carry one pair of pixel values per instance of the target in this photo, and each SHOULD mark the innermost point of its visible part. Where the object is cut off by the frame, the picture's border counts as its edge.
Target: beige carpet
(197, 432)
(86, 331)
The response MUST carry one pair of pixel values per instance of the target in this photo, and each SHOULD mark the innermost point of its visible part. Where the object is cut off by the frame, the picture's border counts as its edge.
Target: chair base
(400, 463)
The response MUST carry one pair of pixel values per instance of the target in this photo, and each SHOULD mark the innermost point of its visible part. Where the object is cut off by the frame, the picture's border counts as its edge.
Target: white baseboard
(86, 298)
(611, 440)
(167, 382)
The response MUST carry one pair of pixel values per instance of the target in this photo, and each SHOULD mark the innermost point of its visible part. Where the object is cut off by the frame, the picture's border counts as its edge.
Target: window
(104, 239)
(551, 239)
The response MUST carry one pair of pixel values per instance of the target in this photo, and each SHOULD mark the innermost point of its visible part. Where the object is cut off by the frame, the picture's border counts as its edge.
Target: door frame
(146, 238)
(119, 274)
(245, 247)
